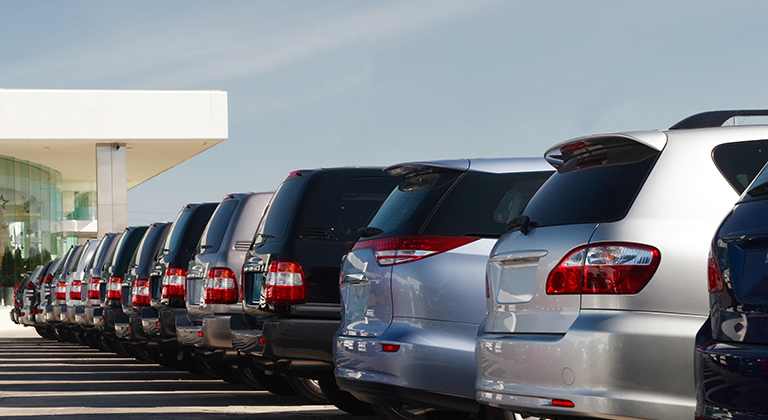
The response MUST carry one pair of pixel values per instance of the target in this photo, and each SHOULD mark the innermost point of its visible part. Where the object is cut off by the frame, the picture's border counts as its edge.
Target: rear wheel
(43, 332)
(343, 400)
(309, 389)
(219, 370)
(414, 413)
(253, 377)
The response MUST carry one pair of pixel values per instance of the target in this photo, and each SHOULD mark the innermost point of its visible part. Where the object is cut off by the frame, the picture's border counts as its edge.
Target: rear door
(597, 181)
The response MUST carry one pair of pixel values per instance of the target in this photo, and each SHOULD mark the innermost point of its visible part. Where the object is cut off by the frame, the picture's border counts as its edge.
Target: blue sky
(330, 83)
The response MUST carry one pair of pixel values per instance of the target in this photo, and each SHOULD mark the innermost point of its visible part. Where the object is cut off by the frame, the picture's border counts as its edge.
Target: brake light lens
(715, 274)
(398, 250)
(604, 268)
(30, 285)
(285, 284)
(174, 283)
(113, 288)
(61, 290)
(220, 286)
(140, 293)
(49, 278)
(75, 292)
(93, 288)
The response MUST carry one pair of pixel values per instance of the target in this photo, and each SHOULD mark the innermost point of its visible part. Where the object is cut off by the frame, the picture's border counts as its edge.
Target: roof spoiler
(716, 118)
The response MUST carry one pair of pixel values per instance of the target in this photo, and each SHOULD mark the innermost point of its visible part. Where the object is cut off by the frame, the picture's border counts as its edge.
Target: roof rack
(716, 118)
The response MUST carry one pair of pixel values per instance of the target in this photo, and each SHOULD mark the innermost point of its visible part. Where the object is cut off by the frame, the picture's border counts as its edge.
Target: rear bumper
(609, 364)
(72, 314)
(214, 332)
(245, 337)
(434, 365)
(187, 333)
(306, 339)
(731, 378)
(92, 317)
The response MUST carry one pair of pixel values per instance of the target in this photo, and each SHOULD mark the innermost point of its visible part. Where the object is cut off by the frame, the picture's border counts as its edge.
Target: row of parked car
(573, 286)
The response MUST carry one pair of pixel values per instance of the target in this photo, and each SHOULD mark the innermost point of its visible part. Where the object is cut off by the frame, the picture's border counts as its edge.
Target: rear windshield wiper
(367, 232)
(522, 223)
(481, 235)
(761, 189)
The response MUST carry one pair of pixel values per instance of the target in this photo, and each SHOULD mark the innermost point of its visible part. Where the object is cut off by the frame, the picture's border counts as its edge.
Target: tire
(343, 400)
(402, 413)
(42, 332)
(217, 370)
(274, 383)
(309, 389)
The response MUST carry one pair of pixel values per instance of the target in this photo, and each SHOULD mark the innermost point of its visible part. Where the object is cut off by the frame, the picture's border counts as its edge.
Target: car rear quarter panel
(677, 211)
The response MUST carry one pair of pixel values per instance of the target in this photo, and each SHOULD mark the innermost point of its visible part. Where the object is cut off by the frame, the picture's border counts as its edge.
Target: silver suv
(597, 292)
(412, 286)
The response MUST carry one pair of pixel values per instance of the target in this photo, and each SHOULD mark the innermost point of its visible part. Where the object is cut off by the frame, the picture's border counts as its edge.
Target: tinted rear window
(357, 200)
(741, 162)
(217, 226)
(279, 211)
(172, 241)
(454, 203)
(593, 194)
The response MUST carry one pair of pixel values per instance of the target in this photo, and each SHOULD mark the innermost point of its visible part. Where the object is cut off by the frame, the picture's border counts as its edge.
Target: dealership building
(68, 157)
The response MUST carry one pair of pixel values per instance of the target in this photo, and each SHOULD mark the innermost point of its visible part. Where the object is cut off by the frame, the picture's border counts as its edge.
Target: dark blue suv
(732, 347)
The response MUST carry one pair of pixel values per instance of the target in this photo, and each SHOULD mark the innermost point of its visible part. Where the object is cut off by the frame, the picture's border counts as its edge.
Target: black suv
(168, 276)
(291, 273)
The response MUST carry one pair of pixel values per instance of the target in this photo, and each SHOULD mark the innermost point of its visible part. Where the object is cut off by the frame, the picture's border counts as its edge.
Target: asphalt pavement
(45, 379)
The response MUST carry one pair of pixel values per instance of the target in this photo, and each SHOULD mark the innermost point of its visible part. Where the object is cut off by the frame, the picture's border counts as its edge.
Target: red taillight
(114, 291)
(285, 283)
(30, 285)
(715, 274)
(398, 250)
(174, 283)
(220, 286)
(75, 291)
(563, 403)
(61, 290)
(390, 348)
(49, 278)
(93, 288)
(604, 268)
(140, 293)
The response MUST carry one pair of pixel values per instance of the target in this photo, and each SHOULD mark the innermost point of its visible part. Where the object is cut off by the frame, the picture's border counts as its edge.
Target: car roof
(490, 165)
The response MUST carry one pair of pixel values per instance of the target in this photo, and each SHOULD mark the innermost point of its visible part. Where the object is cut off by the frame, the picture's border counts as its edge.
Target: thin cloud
(220, 48)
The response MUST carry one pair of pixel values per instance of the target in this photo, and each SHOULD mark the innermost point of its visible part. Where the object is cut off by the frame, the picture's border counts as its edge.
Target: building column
(111, 188)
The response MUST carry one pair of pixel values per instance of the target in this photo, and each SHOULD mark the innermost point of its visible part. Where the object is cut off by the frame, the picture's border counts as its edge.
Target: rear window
(217, 226)
(279, 211)
(452, 203)
(357, 200)
(741, 162)
(172, 241)
(593, 192)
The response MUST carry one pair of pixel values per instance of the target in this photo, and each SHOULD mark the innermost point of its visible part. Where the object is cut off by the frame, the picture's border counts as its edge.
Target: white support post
(111, 187)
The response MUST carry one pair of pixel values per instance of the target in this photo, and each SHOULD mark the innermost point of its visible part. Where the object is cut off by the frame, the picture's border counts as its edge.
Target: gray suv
(412, 286)
(213, 280)
(596, 294)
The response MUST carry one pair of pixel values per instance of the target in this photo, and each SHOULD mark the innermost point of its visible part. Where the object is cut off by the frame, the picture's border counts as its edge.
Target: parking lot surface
(41, 378)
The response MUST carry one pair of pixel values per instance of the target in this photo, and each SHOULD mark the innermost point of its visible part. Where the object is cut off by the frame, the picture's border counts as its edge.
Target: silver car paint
(431, 307)
(624, 355)
(213, 319)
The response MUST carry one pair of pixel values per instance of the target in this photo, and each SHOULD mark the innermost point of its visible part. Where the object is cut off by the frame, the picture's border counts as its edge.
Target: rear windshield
(453, 203)
(172, 241)
(357, 200)
(217, 226)
(279, 211)
(144, 251)
(592, 194)
(741, 162)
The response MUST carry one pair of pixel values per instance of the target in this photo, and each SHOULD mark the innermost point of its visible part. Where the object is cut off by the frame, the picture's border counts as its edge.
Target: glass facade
(32, 201)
